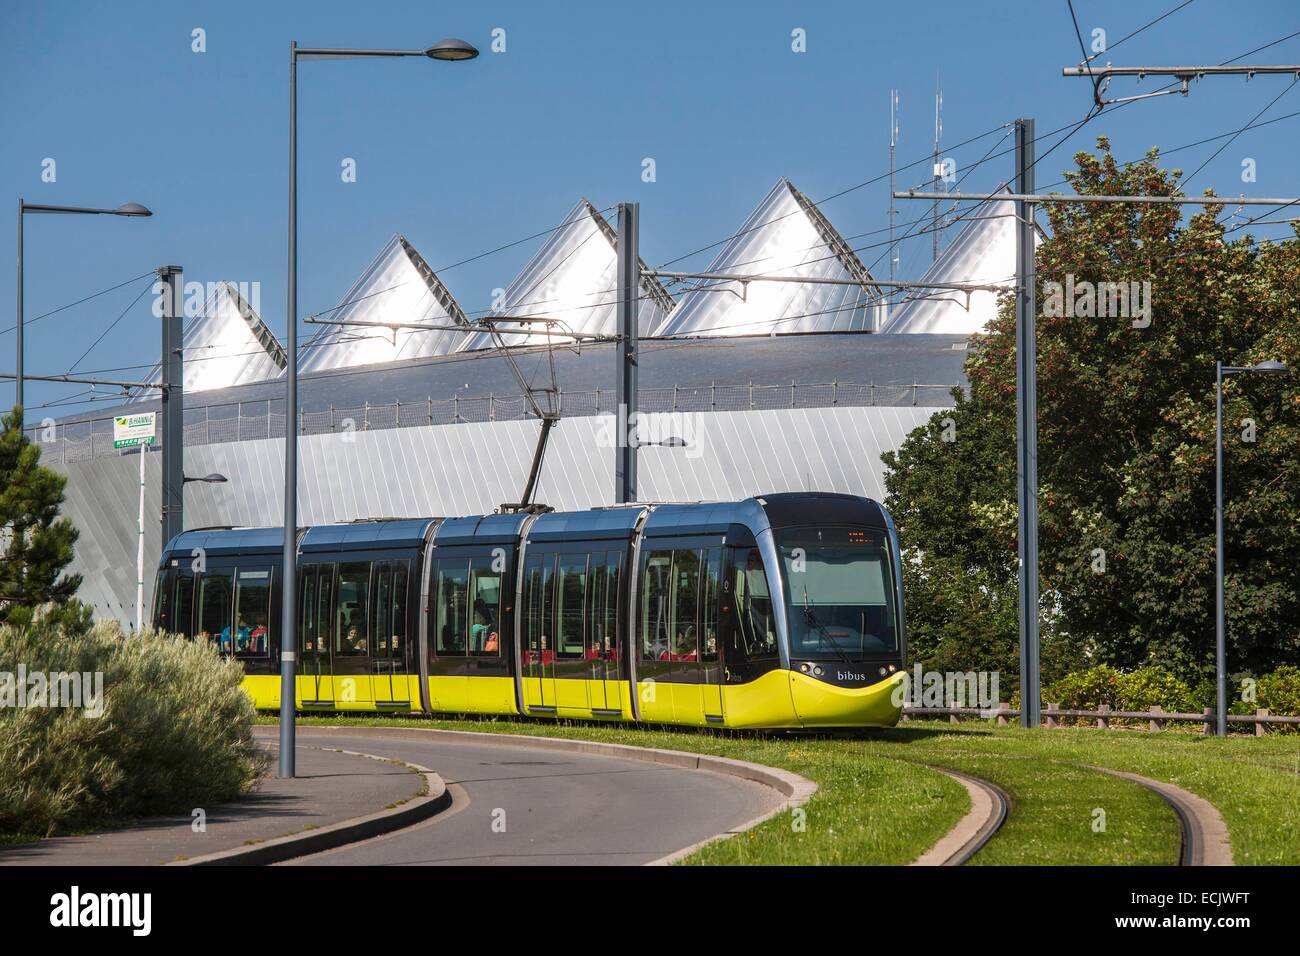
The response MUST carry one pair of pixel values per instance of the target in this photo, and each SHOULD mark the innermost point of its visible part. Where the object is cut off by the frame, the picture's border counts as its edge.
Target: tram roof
(480, 529)
(596, 525)
(220, 541)
(366, 535)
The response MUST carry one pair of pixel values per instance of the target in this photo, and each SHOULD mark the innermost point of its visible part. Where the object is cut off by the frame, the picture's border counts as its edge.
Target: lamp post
(448, 49)
(1269, 367)
(131, 209)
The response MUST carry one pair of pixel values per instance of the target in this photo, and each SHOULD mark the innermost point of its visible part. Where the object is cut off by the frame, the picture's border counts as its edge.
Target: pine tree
(35, 543)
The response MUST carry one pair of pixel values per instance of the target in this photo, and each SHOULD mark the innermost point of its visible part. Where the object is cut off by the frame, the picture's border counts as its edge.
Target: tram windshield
(840, 593)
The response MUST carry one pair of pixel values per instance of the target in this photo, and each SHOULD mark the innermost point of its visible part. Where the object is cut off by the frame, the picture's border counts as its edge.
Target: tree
(35, 543)
(1126, 446)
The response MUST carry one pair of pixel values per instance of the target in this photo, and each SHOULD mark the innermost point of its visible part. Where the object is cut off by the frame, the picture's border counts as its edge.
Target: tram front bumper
(819, 704)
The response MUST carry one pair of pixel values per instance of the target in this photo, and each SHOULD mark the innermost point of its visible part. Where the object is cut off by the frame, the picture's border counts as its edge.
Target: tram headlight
(884, 671)
(817, 671)
(805, 667)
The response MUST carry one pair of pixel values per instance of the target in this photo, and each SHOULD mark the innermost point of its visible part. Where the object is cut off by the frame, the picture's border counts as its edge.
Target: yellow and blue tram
(779, 611)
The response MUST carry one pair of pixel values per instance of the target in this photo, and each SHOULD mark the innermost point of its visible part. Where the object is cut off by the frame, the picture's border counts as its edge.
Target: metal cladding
(468, 469)
(787, 235)
(572, 278)
(226, 344)
(398, 286)
(983, 252)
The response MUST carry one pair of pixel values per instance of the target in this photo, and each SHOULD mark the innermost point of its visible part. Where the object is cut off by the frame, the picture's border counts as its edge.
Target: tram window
(183, 609)
(755, 635)
(655, 623)
(307, 609)
(709, 605)
(453, 591)
(572, 595)
(163, 594)
(610, 630)
(538, 579)
(214, 609)
(351, 626)
(390, 609)
(597, 637)
(485, 609)
(686, 595)
(252, 612)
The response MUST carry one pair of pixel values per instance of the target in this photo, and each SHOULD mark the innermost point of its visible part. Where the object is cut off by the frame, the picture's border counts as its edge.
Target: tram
(778, 611)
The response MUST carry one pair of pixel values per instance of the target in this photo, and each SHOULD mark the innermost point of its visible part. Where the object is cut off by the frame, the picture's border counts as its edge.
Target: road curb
(339, 834)
(797, 790)
(1204, 834)
(989, 806)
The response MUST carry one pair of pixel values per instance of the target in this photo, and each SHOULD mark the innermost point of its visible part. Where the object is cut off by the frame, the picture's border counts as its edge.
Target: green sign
(132, 430)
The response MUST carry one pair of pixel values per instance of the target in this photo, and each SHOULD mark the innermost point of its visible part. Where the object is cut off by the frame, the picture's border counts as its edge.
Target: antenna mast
(938, 167)
(893, 210)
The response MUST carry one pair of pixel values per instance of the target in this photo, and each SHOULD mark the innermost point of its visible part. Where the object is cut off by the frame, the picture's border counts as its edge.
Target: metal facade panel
(983, 252)
(785, 235)
(470, 469)
(573, 278)
(397, 286)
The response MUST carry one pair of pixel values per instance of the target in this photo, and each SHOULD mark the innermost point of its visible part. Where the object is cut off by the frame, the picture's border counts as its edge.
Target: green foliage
(1126, 454)
(1280, 692)
(35, 543)
(1086, 690)
(175, 730)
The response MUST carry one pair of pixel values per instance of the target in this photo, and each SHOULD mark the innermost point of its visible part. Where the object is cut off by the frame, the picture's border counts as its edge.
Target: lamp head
(452, 49)
(132, 209)
(1270, 367)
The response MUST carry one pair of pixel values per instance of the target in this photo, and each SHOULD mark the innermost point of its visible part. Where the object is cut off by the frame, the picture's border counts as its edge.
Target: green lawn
(879, 802)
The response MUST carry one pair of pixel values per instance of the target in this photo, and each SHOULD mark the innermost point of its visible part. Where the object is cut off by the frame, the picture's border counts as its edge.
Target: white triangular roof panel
(226, 344)
(786, 235)
(984, 252)
(573, 278)
(397, 286)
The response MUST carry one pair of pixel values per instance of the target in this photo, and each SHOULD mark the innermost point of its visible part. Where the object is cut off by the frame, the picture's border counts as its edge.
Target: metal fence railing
(1154, 718)
(244, 421)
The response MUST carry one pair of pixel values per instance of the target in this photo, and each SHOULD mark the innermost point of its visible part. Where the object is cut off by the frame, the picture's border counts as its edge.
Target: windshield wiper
(821, 628)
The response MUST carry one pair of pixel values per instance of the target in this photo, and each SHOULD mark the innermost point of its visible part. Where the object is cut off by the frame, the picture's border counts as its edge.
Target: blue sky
(465, 157)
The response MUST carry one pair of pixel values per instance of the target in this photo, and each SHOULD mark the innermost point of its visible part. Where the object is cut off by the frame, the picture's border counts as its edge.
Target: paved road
(520, 805)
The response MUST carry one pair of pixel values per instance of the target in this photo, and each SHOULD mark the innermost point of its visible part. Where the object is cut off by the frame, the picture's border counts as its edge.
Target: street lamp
(448, 49)
(130, 210)
(212, 479)
(1268, 367)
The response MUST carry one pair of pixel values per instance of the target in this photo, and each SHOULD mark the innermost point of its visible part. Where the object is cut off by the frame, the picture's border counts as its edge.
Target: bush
(175, 730)
(1280, 693)
(1149, 687)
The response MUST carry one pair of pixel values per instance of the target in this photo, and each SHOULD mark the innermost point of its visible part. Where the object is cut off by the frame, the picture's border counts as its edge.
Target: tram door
(315, 614)
(571, 666)
(710, 658)
(602, 633)
(538, 652)
(391, 684)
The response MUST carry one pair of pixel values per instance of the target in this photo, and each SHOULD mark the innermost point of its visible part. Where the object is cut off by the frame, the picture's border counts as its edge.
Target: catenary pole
(1027, 427)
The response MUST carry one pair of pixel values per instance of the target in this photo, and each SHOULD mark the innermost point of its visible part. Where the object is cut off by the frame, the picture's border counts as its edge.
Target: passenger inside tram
(257, 639)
